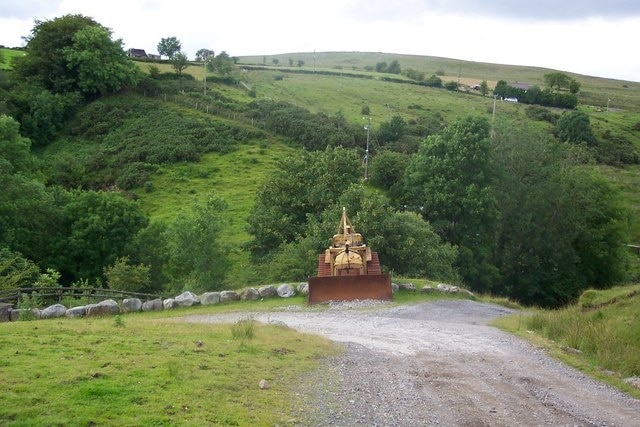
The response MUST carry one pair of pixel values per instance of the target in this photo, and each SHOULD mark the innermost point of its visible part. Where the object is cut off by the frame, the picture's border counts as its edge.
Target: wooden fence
(56, 294)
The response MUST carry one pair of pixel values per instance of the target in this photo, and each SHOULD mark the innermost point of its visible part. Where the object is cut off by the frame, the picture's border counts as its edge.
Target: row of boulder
(185, 299)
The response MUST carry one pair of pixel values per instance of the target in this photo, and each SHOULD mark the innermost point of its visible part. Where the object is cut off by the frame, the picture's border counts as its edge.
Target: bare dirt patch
(439, 363)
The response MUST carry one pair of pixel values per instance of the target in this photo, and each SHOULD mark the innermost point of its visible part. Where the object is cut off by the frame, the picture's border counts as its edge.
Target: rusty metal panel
(350, 288)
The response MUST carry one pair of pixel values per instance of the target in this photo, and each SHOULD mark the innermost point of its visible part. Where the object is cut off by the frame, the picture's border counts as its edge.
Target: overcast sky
(592, 37)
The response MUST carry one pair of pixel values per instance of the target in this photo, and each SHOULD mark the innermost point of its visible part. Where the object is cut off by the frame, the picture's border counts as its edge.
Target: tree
(575, 127)
(302, 186)
(45, 62)
(574, 86)
(557, 80)
(221, 64)
(169, 46)
(392, 130)
(198, 258)
(394, 67)
(484, 88)
(126, 277)
(381, 67)
(203, 54)
(179, 62)
(96, 228)
(101, 64)
(387, 168)
(449, 182)
(300, 63)
(275, 61)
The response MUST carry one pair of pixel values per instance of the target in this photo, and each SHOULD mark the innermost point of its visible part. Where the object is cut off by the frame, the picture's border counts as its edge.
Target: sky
(591, 37)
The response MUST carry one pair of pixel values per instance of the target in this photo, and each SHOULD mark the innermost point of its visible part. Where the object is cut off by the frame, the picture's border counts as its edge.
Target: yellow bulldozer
(348, 270)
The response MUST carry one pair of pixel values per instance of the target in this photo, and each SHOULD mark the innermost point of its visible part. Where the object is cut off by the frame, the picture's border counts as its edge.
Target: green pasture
(7, 56)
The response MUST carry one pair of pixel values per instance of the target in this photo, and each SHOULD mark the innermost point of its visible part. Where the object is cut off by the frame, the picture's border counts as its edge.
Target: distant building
(137, 53)
(523, 86)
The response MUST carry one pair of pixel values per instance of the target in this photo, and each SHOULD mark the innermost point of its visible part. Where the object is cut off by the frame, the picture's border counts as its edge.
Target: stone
(210, 298)
(268, 291)
(169, 303)
(131, 304)
(226, 296)
(427, 289)
(286, 291)
(17, 314)
(153, 305)
(394, 288)
(407, 287)
(263, 384)
(76, 311)
(250, 294)
(442, 287)
(53, 311)
(5, 312)
(633, 381)
(303, 288)
(103, 308)
(187, 299)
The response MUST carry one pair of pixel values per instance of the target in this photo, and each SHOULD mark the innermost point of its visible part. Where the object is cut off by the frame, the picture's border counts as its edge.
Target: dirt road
(439, 363)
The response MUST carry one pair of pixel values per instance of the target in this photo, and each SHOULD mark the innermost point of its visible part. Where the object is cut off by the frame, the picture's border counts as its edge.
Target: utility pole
(204, 74)
(366, 154)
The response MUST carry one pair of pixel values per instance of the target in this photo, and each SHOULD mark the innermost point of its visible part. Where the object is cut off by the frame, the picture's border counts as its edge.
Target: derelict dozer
(348, 270)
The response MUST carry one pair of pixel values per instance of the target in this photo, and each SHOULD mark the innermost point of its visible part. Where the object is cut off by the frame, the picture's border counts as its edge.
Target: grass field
(147, 369)
(7, 55)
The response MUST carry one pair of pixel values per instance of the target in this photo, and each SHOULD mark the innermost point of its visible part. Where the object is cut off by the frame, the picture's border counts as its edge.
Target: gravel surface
(438, 363)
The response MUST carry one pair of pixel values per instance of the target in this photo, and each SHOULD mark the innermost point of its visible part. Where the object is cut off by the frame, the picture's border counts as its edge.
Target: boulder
(448, 289)
(210, 298)
(226, 296)
(76, 311)
(407, 287)
(286, 291)
(53, 311)
(394, 288)
(131, 304)
(269, 291)
(153, 305)
(303, 288)
(169, 303)
(251, 294)
(427, 289)
(23, 314)
(187, 299)
(633, 381)
(103, 308)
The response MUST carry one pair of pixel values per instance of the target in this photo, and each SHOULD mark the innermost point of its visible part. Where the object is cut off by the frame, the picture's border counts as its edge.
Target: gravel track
(438, 363)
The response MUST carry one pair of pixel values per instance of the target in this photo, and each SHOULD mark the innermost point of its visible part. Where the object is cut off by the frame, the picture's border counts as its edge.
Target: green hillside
(168, 145)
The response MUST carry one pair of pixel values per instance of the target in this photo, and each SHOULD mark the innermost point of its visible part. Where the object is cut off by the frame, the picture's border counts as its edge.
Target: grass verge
(148, 370)
(604, 343)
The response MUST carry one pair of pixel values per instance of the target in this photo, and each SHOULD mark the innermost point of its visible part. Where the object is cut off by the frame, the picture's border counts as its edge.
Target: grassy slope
(7, 55)
(607, 339)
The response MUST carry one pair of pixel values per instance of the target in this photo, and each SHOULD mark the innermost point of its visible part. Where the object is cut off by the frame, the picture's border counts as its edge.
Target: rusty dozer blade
(350, 288)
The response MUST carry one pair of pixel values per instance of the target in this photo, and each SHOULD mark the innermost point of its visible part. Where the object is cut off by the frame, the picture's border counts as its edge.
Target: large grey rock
(76, 311)
(5, 312)
(427, 289)
(268, 291)
(153, 305)
(303, 288)
(286, 291)
(251, 294)
(103, 308)
(226, 296)
(407, 287)
(447, 288)
(394, 288)
(210, 298)
(53, 311)
(169, 303)
(131, 304)
(187, 299)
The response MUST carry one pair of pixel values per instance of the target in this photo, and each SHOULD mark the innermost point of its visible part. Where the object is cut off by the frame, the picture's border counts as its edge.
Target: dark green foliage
(535, 95)
(449, 182)
(16, 271)
(169, 46)
(575, 127)
(561, 229)
(124, 276)
(197, 259)
(433, 81)
(392, 130)
(451, 85)
(302, 186)
(95, 229)
(615, 150)
(535, 112)
(386, 169)
(311, 131)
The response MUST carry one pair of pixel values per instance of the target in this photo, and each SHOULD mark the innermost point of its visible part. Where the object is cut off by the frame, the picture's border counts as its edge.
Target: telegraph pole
(366, 154)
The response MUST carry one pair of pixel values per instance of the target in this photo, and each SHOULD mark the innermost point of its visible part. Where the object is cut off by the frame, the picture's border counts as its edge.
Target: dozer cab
(348, 270)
